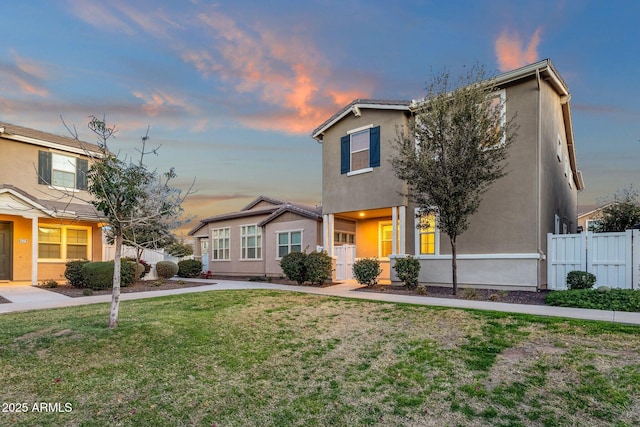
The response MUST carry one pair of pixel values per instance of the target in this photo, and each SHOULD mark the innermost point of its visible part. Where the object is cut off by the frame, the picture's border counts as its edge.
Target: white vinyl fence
(614, 258)
(152, 256)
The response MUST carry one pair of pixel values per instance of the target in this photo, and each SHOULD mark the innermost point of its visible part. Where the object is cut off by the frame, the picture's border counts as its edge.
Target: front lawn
(267, 358)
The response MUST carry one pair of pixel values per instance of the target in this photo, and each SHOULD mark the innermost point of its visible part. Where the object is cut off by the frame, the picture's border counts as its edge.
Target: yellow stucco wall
(22, 247)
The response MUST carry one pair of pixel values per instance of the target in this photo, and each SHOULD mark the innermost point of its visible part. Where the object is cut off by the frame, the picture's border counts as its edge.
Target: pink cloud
(283, 71)
(25, 75)
(511, 52)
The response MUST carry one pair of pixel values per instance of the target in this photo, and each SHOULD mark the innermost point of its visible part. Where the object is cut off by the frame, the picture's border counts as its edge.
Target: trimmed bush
(614, 299)
(319, 267)
(408, 269)
(99, 275)
(580, 280)
(166, 269)
(73, 273)
(189, 268)
(294, 267)
(366, 271)
(145, 265)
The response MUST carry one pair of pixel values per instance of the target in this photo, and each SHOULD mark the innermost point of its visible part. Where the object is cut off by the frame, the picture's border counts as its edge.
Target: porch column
(402, 226)
(34, 251)
(394, 230)
(330, 231)
(325, 233)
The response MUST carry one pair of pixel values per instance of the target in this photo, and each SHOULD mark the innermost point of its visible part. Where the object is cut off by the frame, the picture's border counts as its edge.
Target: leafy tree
(138, 204)
(621, 213)
(179, 249)
(454, 148)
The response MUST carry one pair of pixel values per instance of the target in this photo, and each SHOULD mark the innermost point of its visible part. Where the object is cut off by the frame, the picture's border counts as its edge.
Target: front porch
(374, 233)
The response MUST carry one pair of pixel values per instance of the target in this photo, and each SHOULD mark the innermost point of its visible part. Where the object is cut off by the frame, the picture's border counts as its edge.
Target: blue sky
(231, 90)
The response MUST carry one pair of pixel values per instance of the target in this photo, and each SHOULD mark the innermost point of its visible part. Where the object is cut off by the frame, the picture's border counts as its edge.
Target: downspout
(539, 179)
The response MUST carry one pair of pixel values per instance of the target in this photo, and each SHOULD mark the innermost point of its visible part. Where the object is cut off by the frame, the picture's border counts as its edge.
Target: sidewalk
(27, 297)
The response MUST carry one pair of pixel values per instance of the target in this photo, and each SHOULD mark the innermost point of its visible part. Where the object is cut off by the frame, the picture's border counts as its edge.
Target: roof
(54, 208)
(279, 207)
(355, 106)
(544, 69)
(45, 139)
(586, 210)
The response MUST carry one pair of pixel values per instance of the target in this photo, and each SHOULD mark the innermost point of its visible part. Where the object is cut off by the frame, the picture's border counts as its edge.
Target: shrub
(189, 268)
(73, 273)
(319, 267)
(421, 289)
(87, 292)
(470, 293)
(408, 269)
(614, 299)
(166, 269)
(294, 266)
(207, 275)
(48, 284)
(366, 271)
(580, 280)
(99, 275)
(145, 264)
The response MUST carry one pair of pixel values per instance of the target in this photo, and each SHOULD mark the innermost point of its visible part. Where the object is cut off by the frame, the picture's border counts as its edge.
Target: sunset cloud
(24, 76)
(284, 71)
(512, 53)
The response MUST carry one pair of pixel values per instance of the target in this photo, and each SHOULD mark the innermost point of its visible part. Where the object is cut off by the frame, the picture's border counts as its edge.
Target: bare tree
(454, 148)
(139, 204)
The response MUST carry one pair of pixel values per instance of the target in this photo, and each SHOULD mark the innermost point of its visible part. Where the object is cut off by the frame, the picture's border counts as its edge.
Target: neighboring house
(45, 218)
(252, 241)
(366, 212)
(589, 216)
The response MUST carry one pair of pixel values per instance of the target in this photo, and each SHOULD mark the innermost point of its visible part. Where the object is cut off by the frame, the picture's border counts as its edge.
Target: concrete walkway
(25, 297)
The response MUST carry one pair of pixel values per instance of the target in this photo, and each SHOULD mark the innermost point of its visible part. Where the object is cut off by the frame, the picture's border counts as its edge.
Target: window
(386, 239)
(220, 240)
(63, 243)
(289, 241)
(360, 150)
(498, 102)
(427, 234)
(62, 171)
(251, 242)
(341, 237)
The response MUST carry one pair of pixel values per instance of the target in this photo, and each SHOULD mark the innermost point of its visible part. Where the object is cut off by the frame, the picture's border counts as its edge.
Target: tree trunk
(115, 294)
(454, 265)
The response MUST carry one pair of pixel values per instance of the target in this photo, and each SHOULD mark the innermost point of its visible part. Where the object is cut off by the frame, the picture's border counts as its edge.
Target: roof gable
(45, 139)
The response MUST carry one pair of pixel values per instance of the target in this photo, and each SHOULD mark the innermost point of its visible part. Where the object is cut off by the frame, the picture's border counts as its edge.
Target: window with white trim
(289, 241)
(427, 234)
(251, 242)
(62, 171)
(63, 242)
(220, 241)
(497, 101)
(385, 238)
(342, 238)
(360, 150)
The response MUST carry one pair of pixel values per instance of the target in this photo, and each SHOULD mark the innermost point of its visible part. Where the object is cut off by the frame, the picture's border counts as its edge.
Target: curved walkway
(26, 297)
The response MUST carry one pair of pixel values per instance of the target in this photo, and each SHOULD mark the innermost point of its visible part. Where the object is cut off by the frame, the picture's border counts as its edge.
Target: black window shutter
(82, 166)
(44, 167)
(345, 151)
(374, 147)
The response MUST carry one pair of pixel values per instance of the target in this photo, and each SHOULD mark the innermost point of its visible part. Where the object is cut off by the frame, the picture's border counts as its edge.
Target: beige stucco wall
(19, 167)
(376, 189)
(310, 239)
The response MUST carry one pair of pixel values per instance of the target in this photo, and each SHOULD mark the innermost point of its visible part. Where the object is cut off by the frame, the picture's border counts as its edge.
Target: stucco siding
(309, 240)
(375, 189)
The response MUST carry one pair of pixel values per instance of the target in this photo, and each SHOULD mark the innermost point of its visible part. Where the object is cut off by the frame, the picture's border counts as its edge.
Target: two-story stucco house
(253, 240)
(366, 212)
(45, 216)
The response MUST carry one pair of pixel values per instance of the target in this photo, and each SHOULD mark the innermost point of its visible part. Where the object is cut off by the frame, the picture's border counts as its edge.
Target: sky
(231, 90)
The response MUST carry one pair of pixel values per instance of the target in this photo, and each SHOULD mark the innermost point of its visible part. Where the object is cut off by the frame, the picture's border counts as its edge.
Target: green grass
(613, 299)
(265, 358)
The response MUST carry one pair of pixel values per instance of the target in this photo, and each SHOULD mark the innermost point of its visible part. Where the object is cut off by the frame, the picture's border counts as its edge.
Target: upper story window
(62, 171)
(498, 104)
(360, 150)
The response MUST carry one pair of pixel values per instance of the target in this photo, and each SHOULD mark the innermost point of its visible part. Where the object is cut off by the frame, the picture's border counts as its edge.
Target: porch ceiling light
(361, 214)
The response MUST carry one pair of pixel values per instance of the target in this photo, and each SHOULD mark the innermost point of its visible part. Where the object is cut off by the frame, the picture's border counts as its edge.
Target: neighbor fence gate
(614, 258)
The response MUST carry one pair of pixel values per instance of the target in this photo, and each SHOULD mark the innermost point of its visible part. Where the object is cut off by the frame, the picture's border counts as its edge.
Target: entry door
(5, 250)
